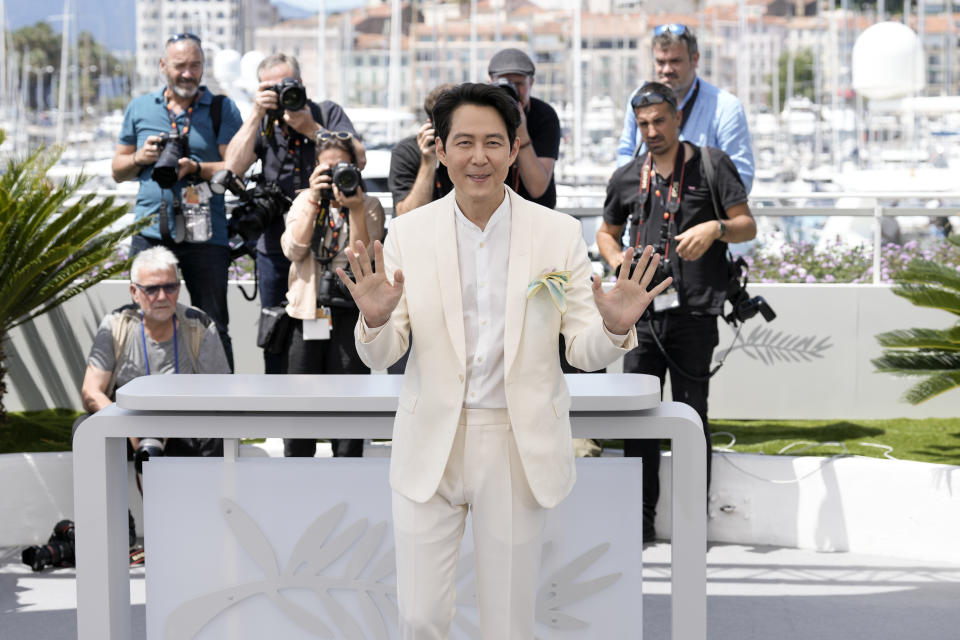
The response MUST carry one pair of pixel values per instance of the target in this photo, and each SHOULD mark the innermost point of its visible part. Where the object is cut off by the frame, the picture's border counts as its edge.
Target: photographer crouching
(323, 221)
(688, 202)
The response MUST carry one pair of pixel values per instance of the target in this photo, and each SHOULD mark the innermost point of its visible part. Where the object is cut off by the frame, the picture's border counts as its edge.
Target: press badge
(195, 200)
(669, 299)
(318, 328)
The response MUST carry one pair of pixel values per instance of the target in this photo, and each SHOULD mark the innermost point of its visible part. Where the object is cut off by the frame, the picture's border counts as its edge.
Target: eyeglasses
(334, 135)
(675, 29)
(151, 290)
(647, 98)
(183, 36)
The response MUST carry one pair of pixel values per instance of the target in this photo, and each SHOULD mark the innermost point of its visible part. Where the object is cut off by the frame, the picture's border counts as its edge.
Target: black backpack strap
(216, 113)
(320, 113)
(710, 173)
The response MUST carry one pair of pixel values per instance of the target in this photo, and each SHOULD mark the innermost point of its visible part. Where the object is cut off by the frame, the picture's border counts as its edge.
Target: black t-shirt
(404, 165)
(702, 283)
(289, 158)
(543, 125)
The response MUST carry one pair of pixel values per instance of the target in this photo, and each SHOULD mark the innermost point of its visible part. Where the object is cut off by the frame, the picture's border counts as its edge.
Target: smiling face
(182, 66)
(659, 125)
(478, 155)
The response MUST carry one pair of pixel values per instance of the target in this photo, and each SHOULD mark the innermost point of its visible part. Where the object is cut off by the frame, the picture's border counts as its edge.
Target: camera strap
(324, 252)
(674, 194)
(173, 118)
(176, 345)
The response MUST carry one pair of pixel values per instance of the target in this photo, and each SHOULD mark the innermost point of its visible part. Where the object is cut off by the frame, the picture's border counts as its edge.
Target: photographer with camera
(531, 175)
(153, 336)
(279, 131)
(666, 195)
(333, 214)
(173, 141)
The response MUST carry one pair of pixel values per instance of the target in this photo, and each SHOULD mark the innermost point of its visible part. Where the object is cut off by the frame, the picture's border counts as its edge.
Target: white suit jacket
(423, 245)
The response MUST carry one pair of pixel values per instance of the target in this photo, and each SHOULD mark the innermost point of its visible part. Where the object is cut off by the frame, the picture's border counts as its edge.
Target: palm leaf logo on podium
(367, 577)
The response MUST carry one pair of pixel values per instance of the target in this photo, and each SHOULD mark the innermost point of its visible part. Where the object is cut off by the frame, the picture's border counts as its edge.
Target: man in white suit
(483, 422)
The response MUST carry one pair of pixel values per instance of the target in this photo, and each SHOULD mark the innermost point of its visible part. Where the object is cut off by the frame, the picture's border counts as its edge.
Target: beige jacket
(423, 244)
(304, 270)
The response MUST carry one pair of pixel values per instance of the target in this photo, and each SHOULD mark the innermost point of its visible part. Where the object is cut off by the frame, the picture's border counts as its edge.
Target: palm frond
(926, 272)
(913, 363)
(921, 339)
(932, 386)
(929, 296)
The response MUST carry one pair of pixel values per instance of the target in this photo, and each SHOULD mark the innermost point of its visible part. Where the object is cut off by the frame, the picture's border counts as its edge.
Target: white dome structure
(888, 62)
(248, 70)
(226, 66)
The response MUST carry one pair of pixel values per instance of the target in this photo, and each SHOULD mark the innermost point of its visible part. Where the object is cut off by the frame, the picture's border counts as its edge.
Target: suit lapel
(448, 272)
(518, 272)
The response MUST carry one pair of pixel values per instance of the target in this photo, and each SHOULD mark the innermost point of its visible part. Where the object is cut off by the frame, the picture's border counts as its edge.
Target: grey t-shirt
(210, 359)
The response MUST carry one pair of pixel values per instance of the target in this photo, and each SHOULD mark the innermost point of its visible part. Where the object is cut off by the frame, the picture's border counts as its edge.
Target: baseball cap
(510, 61)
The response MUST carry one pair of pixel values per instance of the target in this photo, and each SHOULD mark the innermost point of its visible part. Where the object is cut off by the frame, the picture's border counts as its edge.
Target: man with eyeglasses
(665, 195)
(710, 116)
(155, 335)
(190, 220)
(284, 142)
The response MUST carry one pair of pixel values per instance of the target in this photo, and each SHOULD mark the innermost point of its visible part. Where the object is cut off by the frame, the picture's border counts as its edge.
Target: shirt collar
(205, 96)
(690, 91)
(502, 213)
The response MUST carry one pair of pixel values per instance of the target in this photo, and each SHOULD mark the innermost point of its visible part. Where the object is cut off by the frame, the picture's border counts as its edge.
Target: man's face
(675, 67)
(659, 125)
(182, 66)
(477, 153)
(275, 74)
(521, 82)
(160, 306)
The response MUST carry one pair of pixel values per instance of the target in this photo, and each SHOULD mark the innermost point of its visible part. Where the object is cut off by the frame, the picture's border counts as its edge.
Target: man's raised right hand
(374, 294)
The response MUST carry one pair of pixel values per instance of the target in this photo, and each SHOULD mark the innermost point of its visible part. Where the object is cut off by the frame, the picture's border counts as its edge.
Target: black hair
(669, 98)
(343, 144)
(481, 95)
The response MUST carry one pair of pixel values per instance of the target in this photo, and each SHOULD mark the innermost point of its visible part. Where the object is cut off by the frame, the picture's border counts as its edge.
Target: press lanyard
(173, 118)
(143, 338)
(325, 254)
(674, 193)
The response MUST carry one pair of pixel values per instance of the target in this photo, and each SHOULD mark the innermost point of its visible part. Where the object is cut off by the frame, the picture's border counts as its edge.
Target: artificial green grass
(48, 430)
(930, 440)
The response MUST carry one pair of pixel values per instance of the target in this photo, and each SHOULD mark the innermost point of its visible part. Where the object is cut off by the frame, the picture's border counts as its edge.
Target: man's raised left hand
(622, 306)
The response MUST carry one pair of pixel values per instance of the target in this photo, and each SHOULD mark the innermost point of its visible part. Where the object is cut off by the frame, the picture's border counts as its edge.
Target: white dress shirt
(484, 256)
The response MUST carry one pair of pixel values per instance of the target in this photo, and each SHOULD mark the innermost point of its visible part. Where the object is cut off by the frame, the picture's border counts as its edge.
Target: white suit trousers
(484, 474)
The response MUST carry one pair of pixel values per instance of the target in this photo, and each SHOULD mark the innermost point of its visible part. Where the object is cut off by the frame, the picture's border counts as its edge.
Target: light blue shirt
(146, 116)
(717, 120)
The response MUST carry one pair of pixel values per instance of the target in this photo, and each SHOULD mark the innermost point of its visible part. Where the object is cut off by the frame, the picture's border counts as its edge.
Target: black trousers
(334, 356)
(689, 340)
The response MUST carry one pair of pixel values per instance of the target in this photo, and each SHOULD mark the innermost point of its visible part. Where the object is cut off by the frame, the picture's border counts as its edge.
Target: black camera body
(258, 207)
(664, 269)
(173, 146)
(508, 87)
(331, 292)
(346, 177)
(291, 96)
(60, 550)
(742, 306)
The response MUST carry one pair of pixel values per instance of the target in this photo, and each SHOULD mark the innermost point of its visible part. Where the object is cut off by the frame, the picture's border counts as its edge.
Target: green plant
(51, 242)
(933, 354)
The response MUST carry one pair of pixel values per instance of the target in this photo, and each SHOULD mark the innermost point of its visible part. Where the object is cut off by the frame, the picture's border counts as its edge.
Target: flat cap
(510, 61)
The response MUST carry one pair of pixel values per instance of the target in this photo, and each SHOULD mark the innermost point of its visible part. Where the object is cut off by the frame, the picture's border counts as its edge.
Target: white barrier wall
(812, 362)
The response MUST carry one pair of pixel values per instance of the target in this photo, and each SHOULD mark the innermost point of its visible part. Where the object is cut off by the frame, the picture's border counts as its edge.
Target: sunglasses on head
(334, 135)
(675, 29)
(183, 36)
(647, 98)
(151, 290)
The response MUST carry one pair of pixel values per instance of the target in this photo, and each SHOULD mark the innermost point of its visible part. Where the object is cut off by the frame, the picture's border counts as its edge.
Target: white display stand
(248, 406)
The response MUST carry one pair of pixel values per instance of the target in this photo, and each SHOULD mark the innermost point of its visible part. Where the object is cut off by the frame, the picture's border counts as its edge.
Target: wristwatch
(722, 227)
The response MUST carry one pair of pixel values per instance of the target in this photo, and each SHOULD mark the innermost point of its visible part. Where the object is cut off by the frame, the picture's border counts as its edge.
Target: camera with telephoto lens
(60, 550)
(291, 96)
(743, 307)
(258, 207)
(508, 87)
(173, 146)
(346, 177)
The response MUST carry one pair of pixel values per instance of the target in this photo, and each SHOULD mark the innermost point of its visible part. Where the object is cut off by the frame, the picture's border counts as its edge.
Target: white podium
(252, 406)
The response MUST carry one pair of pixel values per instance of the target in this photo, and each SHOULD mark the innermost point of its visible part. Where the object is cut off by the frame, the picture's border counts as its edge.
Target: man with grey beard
(190, 220)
